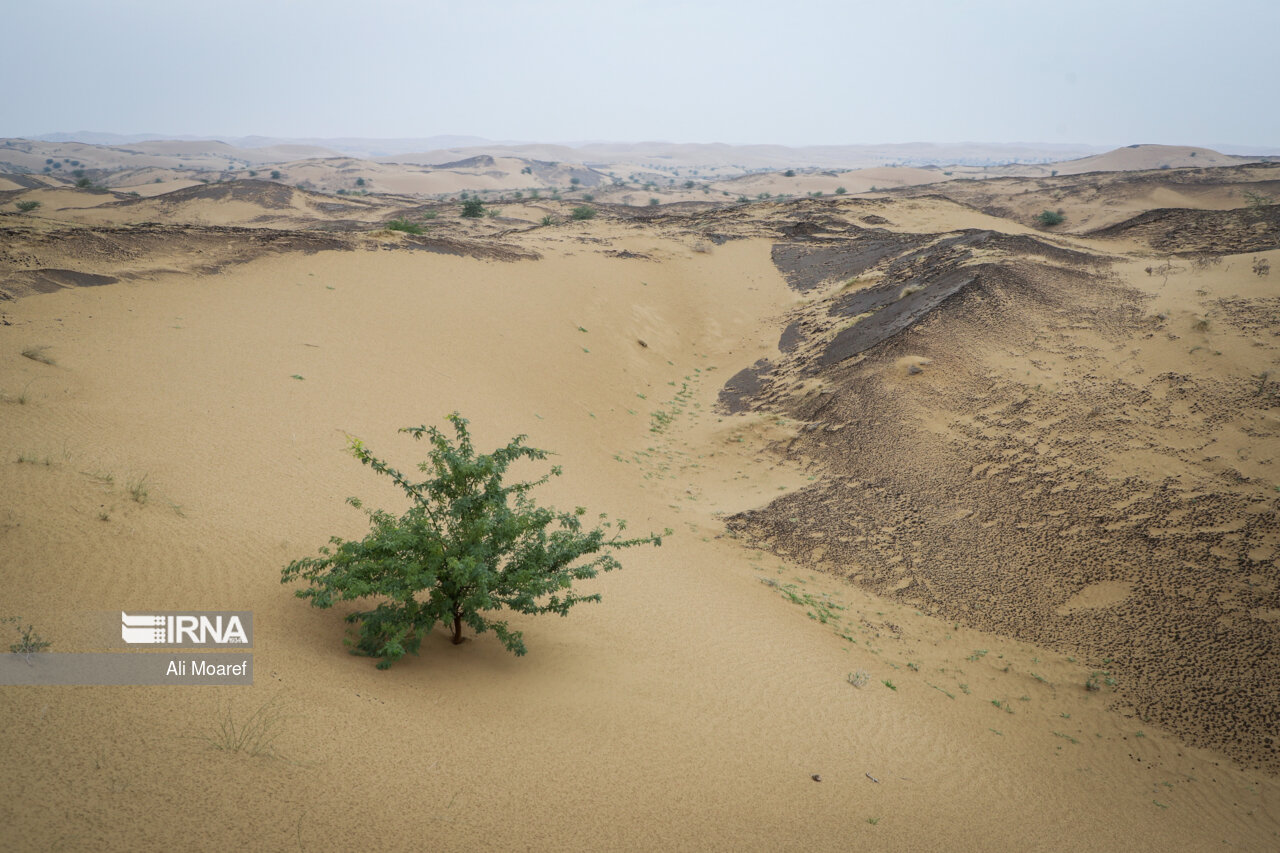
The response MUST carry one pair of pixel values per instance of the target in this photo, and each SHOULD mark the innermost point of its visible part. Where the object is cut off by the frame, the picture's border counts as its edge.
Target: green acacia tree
(468, 545)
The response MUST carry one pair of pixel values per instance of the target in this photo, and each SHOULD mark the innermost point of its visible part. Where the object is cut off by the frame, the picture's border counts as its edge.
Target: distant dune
(1139, 157)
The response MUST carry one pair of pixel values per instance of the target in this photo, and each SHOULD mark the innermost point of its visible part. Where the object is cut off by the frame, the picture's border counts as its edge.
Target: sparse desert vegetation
(29, 640)
(405, 226)
(1050, 218)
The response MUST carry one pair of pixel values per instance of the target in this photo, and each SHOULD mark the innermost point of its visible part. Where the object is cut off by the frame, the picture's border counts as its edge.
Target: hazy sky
(793, 72)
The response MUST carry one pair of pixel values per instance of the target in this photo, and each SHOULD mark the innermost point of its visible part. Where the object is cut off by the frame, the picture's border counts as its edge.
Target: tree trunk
(457, 628)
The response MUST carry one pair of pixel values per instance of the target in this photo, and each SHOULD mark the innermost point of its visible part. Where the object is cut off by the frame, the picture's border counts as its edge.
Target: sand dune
(1139, 157)
(983, 463)
(1093, 201)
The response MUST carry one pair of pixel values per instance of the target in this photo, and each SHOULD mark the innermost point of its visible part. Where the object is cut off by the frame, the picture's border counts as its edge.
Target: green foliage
(404, 225)
(359, 182)
(790, 173)
(275, 174)
(84, 183)
(1097, 679)
(473, 208)
(468, 544)
(583, 212)
(1050, 218)
(27, 206)
(653, 202)
(137, 489)
(30, 643)
(548, 220)
(841, 190)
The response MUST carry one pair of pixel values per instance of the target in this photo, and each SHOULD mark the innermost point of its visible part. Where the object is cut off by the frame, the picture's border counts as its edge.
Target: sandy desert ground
(907, 432)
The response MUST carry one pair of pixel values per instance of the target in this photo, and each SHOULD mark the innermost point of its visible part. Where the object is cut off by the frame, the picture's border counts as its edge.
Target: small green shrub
(841, 190)
(30, 643)
(473, 208)
(1050, 218)
(27, 206)
(404, 225)
(583, 212)
(137, 489)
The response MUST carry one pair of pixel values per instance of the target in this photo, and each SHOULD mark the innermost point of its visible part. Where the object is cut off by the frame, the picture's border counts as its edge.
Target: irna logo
(187, 629)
